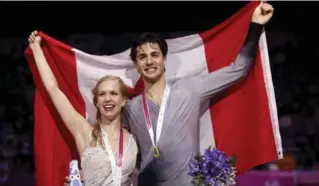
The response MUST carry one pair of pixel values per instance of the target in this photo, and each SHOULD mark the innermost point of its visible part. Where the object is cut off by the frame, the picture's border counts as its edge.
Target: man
(176, 107)
(165, 117)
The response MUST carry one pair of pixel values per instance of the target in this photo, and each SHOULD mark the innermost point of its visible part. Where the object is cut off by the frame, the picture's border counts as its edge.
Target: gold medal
(156, 152)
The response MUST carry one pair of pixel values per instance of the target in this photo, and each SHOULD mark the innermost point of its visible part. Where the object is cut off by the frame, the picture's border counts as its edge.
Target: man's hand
(67, 181)
(262, 13)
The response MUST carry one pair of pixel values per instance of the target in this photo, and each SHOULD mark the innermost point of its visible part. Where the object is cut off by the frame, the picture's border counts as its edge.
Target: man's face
(150, 62)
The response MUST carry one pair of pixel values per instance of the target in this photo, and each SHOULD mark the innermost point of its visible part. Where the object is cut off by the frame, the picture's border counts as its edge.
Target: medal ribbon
(160, 117)
(116, 169)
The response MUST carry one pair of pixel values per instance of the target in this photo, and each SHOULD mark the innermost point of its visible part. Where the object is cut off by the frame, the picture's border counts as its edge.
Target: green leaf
(232, 160)
(198, 181)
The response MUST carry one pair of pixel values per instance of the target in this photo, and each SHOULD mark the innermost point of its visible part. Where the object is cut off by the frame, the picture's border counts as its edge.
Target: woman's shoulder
(131, 137)
(127, 133)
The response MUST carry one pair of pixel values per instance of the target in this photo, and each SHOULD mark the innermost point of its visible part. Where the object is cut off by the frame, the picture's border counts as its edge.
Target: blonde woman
(108, 151)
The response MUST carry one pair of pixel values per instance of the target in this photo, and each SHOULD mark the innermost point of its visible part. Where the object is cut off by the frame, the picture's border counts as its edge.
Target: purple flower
(211, 168)
(194, 168)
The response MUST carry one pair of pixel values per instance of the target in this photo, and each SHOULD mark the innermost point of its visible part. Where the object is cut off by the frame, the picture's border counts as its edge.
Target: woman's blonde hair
(96, 132)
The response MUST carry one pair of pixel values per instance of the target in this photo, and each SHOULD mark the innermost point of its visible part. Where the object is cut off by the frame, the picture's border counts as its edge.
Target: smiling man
(165, 117)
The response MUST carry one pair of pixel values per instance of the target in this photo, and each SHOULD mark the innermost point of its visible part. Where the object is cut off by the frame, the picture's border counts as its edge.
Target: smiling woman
(109, 96)
(105, 148)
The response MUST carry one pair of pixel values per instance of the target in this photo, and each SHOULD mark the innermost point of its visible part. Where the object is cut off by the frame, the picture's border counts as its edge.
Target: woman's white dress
(96, 165)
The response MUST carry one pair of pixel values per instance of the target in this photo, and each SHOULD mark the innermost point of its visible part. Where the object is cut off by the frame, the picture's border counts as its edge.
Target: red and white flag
(244, 123)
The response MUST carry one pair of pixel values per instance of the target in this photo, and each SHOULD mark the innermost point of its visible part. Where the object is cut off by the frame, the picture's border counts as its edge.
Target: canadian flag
(244, 123)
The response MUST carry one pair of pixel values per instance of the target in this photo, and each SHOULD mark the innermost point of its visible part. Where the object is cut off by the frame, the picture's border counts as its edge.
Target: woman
(108, 152)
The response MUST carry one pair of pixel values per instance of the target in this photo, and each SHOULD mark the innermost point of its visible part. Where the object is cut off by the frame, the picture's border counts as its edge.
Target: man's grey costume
(179, 140)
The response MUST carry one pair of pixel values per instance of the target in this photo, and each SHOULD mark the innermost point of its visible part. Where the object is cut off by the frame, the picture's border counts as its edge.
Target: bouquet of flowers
(213, 168)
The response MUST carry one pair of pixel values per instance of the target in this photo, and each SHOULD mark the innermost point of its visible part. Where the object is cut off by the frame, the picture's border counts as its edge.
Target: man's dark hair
(148, 38)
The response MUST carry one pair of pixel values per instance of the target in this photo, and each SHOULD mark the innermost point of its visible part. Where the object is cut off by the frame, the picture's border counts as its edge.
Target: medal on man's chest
(156, 152)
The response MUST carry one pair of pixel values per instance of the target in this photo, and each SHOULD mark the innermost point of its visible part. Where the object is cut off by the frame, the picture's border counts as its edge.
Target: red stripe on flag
(241, 121)
(54, 145)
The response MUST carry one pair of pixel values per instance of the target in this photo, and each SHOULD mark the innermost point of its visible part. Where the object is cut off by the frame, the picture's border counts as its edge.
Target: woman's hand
(34, 39)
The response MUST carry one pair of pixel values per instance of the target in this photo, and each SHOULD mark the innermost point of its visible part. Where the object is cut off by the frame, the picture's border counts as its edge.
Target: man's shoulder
(133, 101)
(180, 84)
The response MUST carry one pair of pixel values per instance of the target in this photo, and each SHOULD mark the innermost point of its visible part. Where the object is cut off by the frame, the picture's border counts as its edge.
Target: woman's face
(110, 99)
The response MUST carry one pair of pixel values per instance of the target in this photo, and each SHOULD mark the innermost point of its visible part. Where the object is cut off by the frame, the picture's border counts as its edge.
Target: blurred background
(96, 27)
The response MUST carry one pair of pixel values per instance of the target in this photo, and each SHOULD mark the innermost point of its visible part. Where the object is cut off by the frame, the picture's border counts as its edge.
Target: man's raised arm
(218, 81)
